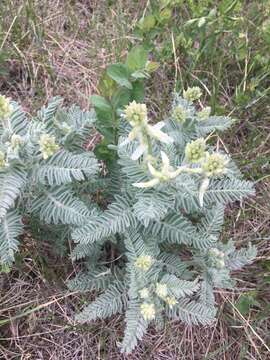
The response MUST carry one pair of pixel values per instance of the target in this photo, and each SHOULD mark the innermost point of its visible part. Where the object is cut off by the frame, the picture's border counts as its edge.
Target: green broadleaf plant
(151, 243)
(120, 84)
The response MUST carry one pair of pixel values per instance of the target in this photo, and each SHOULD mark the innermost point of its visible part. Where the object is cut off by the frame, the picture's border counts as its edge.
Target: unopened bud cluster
(3, 162)
(216, 258)
(211, 164)
(195, 151)
(161, 291)
(192, 94)
(5, 107)
(16, 141)
(144, 262)
(179, 114)
(144, 293)
(214, 164)
(148, 311)
(47, 145)
(204, 113)
(136, 115)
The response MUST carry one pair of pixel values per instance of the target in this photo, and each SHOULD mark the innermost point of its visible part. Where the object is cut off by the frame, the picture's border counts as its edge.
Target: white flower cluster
(208, 165)
(211, 164)
(136, 115)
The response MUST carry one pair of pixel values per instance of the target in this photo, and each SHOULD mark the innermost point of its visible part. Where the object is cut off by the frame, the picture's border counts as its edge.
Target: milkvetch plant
(160, 220)
(147, 225)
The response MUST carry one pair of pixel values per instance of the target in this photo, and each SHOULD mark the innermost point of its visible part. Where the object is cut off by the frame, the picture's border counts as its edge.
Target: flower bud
(204, 113)
(215, 252)
(2, 160)
(161, 290)
(171, 301)
(144, 262)
(144, 293)
(47, 145)
(214, 165)
(16, 141)
(216, 258)
(179, 114)
(192, 94)
(5, 107)
(66, 129)
(148, 311)
(136, 114)
(195, 150)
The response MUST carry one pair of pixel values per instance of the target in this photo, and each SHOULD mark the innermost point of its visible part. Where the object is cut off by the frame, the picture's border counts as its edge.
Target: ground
(61, 47)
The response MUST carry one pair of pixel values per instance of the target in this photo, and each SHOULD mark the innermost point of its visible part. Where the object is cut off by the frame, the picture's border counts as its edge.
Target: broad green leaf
(102, 152)
(137, 58)
(138, 91)
(105, 116)
(147, 23)
(246, 301)
(139, 74)
(165, 15)
(121, 98)
(151, 66)
(100, 103)
(107, 86)
(120, 74)
(106, 131)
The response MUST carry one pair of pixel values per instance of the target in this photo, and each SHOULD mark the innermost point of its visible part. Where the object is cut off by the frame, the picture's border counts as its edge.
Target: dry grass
(60, 47)
(37, 323)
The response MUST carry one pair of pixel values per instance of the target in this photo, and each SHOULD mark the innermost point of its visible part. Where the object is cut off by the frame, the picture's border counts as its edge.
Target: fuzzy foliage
(42, 159)
(161, 222)
(151, 240)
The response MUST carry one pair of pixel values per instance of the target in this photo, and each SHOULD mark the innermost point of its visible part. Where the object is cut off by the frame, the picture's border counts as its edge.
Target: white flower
(142, 134)
(203, 188)
(166, 173)
(155, 132)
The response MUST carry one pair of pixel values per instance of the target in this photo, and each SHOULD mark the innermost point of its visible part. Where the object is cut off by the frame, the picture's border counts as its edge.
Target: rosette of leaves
(153, 249)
